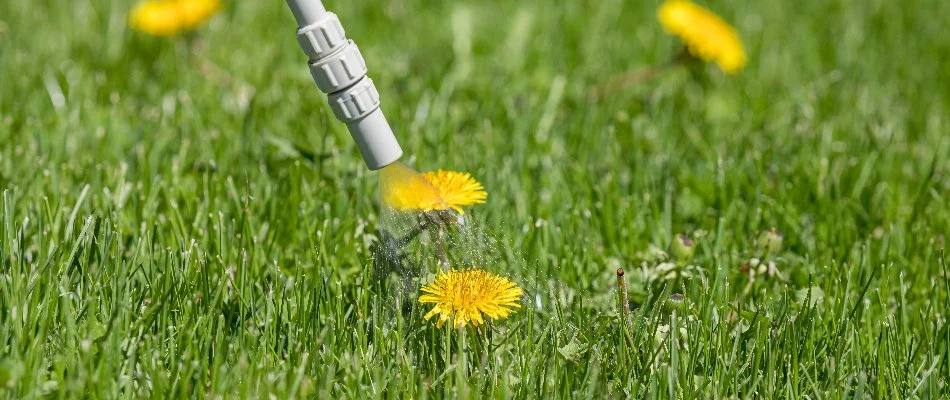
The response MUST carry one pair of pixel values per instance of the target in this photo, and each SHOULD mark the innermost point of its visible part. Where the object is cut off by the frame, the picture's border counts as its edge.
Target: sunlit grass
(184, 217)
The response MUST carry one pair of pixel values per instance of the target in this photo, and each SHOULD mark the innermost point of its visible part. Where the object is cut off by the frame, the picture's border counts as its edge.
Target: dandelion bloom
(170, 17)
(194, 13)
(707, 35)
(457, 189)
(405, 190)
(469, 293)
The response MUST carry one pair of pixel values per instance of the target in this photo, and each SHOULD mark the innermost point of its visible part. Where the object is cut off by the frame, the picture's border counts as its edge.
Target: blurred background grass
(184, 216)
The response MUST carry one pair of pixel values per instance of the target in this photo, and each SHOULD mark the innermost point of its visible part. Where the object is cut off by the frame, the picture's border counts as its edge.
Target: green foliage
(184, 218)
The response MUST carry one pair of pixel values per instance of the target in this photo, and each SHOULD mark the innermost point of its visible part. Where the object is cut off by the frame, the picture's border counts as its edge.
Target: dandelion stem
(440, 244)
(640, 75)
(627, 79)
(461, 382)
(414, 233)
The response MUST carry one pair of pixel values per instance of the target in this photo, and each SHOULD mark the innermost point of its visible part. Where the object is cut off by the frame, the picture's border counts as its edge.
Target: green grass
(187, 219)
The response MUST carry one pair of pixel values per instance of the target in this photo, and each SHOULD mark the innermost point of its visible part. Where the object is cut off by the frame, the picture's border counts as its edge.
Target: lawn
(183, 217)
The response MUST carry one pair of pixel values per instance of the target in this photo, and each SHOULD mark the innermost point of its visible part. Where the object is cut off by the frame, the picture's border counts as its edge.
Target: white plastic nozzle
(338, 69)
(375, 139)
(307, 11)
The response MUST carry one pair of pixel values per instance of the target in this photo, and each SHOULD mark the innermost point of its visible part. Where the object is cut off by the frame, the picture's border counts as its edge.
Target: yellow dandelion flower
(465, 295)
(707, 35)
(457, 189)
(194, 13)
(154, 17)
(170, 17)
(405, 190)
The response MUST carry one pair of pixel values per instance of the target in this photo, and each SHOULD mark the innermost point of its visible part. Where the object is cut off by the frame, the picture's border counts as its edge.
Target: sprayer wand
(339, 70)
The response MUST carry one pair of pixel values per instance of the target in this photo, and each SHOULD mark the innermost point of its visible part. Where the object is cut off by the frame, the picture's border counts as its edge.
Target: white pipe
(307, 12)
(338, 69)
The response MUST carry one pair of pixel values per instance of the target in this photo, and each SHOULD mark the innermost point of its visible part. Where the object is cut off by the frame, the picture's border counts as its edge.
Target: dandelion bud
(770, 242)
(677, 303)
(683, 247)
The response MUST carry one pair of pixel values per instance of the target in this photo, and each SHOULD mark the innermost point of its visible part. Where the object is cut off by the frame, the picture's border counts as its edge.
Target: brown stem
(623, 306)
(640, 75)
(625, 80)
